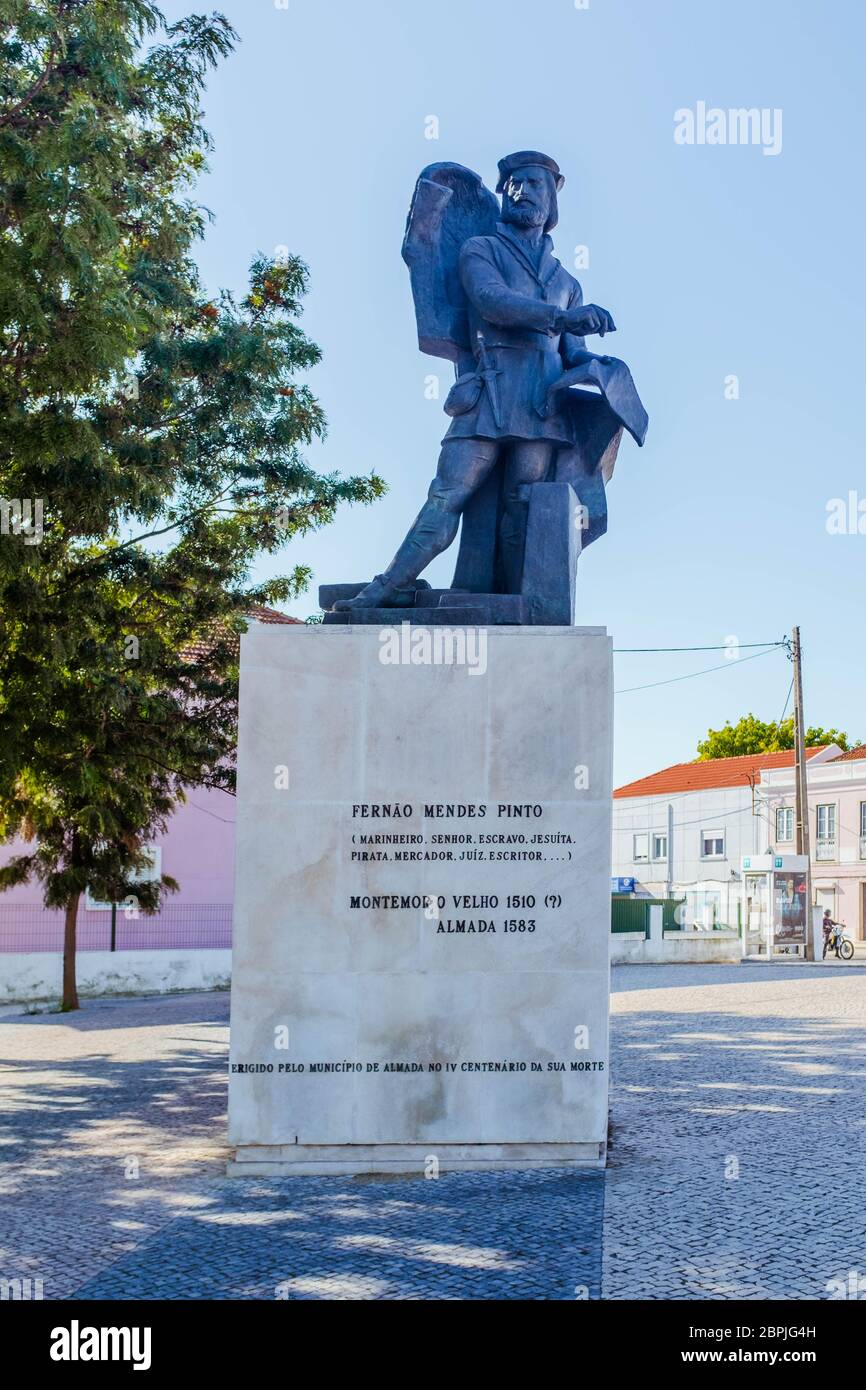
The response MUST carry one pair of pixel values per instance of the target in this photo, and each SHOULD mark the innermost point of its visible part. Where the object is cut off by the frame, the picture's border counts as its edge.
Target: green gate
(632, 914)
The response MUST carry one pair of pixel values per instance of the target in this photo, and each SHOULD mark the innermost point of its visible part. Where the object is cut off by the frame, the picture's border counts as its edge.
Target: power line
(726, 666)
(225, 820)
(723, 647)
(785, 710)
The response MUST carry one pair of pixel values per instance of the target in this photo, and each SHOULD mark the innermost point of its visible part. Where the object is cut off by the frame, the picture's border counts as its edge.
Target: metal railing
(28, 927)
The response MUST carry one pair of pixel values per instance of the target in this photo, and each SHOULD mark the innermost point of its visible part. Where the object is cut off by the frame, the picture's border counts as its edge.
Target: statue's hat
(520, 159)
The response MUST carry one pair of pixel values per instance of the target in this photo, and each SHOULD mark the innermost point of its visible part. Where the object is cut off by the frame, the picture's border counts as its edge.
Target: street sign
(622, 885)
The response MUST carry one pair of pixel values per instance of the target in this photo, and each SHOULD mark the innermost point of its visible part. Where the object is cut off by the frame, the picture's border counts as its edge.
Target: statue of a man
(525, 324)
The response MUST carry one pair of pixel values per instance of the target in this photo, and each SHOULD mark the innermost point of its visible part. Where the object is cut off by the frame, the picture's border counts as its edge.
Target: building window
(827, 822)
(641, 849)
(825, 847)
(863, 829)
(660, 846)
(784, 824)
(712, 844)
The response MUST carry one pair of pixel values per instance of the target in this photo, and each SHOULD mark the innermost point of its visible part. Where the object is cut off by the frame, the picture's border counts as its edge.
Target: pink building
(197, 849)
(837, 828)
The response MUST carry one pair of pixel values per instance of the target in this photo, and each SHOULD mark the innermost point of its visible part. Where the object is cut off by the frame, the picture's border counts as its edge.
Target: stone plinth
(422, 917)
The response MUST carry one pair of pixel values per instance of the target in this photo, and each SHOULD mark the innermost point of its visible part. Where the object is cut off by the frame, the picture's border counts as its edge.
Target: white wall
(36, 977)
(676, 948)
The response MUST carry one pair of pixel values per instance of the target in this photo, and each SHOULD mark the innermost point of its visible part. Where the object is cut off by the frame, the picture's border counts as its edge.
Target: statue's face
(527, 195)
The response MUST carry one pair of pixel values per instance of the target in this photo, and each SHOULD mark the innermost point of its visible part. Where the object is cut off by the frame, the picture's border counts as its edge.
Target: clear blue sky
(714, 260)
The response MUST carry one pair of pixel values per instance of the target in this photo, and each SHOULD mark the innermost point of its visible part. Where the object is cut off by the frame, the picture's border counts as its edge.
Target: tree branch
(50, 67)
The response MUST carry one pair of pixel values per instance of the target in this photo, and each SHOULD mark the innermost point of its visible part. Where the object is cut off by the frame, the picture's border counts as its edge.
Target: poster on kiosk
(779, 881)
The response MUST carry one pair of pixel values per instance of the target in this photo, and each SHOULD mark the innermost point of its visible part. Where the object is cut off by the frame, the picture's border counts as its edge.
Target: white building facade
(684, 832)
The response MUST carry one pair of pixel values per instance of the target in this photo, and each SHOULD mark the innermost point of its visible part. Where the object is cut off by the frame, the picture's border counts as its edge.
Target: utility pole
(802, 795)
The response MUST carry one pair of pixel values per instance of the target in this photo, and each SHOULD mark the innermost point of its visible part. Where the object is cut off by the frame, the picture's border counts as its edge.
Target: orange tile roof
(200, 648)
(713, 773)
(852, 755)
(270, 615)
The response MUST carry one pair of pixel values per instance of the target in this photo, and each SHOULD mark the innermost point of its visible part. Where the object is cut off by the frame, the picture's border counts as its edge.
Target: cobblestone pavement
(733, 1086)
(736, 1089)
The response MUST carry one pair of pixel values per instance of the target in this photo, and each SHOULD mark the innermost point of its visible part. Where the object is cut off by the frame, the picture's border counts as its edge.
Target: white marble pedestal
(422, 915)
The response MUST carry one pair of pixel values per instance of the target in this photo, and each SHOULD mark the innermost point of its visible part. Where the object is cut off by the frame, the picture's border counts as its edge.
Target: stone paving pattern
(738, 1125)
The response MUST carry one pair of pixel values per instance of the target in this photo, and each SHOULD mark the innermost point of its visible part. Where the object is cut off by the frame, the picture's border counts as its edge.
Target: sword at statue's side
(489, 374)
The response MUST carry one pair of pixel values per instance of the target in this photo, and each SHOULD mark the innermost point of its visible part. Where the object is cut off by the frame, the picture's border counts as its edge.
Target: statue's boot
(432, 532)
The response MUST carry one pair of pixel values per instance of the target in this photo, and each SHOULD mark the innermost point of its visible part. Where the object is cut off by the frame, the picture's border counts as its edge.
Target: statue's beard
(525, 215)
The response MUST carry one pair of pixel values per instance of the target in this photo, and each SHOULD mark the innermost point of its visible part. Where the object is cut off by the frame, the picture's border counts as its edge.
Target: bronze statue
(491, 296)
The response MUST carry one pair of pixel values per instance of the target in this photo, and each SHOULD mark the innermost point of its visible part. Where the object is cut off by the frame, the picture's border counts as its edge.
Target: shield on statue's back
(450, 204)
